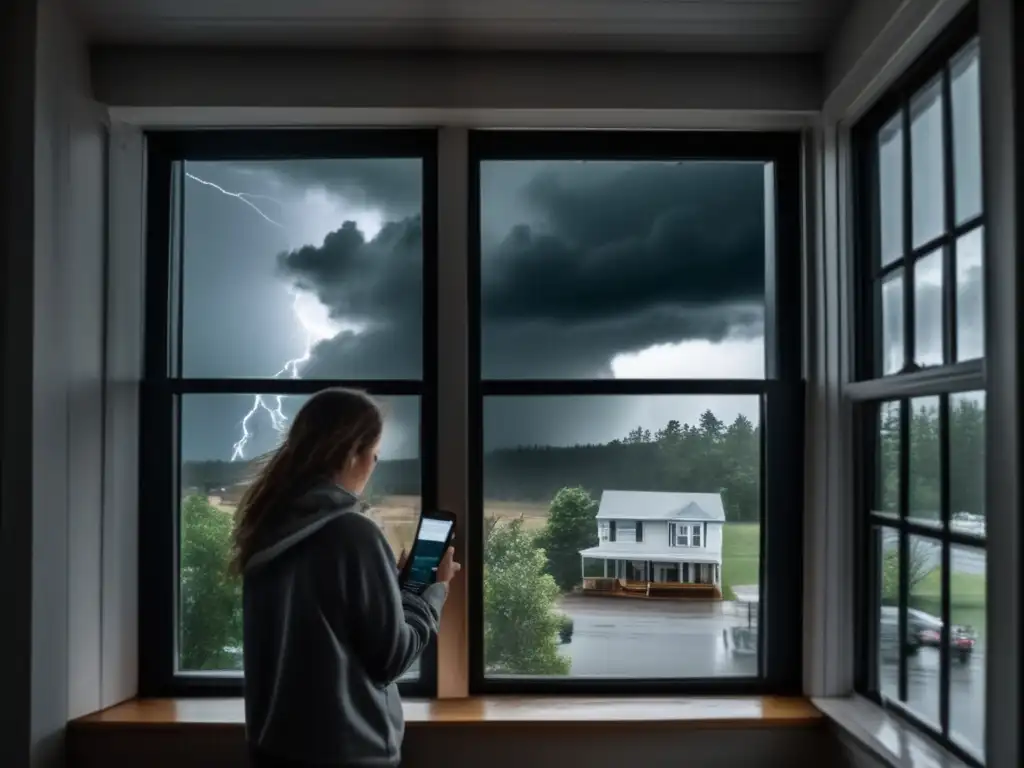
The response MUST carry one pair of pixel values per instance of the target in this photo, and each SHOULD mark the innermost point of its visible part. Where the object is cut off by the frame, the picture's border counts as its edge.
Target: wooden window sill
(698, 712)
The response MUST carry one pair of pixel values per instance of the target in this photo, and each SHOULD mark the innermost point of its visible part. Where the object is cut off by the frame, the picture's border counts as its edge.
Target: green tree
(741, 470)
(918, 565)
(211, 597)
(521, 623)
(924, 479)
(571, 526)
(966, 454)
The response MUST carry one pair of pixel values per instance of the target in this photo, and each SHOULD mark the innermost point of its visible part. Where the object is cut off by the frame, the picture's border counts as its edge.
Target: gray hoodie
(327, 632)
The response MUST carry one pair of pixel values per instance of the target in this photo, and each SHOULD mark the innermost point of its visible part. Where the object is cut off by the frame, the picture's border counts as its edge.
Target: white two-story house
(659, 537)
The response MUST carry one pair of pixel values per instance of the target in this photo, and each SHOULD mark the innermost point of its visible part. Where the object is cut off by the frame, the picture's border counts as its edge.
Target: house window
(921, 536)
(679, 535)
(602, 531)
(605, 266)
(695, 536)
(267, 280)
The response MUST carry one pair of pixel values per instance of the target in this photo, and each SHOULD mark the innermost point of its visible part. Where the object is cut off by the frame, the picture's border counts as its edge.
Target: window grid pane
(938, 215)
(265, 273)
(921, 455)
(590, 372)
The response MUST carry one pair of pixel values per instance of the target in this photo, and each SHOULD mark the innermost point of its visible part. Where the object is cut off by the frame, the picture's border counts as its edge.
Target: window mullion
(453, 395)
(909, 332)
(904, 545)
(944, 511)
(949, 225)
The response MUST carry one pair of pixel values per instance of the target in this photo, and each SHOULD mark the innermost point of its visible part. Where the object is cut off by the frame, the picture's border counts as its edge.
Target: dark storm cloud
(375, 282)
(655, 235)
(653, 254)
(393, 185)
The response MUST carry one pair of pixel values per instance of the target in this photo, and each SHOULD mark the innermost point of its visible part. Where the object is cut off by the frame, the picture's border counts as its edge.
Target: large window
(635, 412)
(278, 264)
(920, 397)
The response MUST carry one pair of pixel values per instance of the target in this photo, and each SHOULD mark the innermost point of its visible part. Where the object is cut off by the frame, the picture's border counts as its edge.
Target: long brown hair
(331, 427)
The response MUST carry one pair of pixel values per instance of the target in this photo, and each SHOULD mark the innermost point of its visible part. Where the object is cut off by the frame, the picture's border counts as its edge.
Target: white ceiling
(727, 26)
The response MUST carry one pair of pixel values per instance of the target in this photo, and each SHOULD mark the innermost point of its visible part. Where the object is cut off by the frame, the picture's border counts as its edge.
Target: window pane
(892, 323)
(970, 330)
(924, 460)
(966, 107)
(887, 540)
(928, 309)
(927, 192)
(308, 268)
(967, 462)
(623, 269)
(554, 468)
(924, 612)
(890, 189)
(887, 485)
(967, 655)
(220, 435)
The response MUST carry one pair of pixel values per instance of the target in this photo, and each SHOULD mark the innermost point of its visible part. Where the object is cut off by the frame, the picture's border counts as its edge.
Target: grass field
(741, 556)
(966, 597)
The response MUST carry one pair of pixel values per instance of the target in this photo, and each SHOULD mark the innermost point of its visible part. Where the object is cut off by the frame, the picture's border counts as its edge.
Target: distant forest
(706, 457)
(709, 457)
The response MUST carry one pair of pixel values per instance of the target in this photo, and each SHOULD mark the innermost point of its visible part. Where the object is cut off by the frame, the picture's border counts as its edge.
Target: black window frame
(872, 389)
(781, 393)
(162, 387)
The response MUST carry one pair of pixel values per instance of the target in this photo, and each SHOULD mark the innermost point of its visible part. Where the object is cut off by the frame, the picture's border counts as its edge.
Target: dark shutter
(639, 531)
(611, 531)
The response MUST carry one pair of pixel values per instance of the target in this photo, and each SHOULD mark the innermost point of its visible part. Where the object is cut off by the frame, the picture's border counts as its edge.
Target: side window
(919, 259)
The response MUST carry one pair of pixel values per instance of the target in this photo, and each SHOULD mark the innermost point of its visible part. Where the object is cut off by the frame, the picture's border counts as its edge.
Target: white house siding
(656, 538)
(714, 542)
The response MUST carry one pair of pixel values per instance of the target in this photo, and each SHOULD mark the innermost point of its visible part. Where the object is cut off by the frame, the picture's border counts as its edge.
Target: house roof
(658, 505)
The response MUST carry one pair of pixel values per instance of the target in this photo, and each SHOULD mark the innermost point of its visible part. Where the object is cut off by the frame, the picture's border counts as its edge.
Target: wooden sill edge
(697, 712)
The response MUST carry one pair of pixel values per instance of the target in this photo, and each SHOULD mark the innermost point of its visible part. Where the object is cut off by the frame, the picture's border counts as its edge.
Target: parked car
(961, 641)
(888, 633)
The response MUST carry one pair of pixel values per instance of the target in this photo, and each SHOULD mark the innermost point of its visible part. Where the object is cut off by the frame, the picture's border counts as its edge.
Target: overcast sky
(590, 270)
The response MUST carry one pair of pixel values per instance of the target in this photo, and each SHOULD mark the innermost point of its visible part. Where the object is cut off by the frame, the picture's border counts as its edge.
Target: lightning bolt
(291, 368)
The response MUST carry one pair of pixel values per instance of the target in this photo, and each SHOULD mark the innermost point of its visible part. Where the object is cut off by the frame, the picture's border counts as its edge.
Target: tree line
(708, 457)
(966, 457)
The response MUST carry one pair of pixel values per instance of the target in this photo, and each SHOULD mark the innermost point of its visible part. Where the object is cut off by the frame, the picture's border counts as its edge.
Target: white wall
(874, 44)
(55, 392)
(284, 86)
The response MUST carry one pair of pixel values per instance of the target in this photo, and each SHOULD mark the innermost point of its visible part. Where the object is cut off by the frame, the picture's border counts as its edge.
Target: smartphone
(434, 535)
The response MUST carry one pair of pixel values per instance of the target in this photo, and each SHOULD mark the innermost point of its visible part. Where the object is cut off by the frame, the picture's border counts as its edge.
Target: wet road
(629, 638)
(966, 691)
(632, 638)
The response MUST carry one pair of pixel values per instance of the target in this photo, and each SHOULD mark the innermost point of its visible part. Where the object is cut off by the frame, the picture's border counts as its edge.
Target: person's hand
(448, 568)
